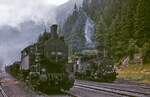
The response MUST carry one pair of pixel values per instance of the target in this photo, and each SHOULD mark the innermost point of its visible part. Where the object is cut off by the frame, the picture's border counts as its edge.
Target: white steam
(21, 22)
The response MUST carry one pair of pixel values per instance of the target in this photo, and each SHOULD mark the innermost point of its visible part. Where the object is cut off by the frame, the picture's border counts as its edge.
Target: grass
(139, 73)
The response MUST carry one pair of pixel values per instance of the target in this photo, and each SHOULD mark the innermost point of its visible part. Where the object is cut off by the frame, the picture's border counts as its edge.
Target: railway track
(3, 92)
(111, 89)
(142, 86)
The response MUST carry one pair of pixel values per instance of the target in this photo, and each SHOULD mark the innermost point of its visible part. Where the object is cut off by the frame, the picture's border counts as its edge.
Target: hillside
(123, 28)
(78, 28)
(120, 28)
(65, 10)
(138, 73)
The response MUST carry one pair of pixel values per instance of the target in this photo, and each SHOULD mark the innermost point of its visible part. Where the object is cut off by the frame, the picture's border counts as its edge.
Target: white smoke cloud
(20, 24)
(16, 11)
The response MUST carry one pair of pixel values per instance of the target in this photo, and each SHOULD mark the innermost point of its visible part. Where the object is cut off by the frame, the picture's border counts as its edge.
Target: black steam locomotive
(48, 70)
(92, 65)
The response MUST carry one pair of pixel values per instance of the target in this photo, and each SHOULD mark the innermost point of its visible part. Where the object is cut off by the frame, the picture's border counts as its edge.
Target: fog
(21, 22)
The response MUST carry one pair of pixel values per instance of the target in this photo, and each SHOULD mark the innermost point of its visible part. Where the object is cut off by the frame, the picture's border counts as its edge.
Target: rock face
(65, 10)
(78, 28)
(89, 33)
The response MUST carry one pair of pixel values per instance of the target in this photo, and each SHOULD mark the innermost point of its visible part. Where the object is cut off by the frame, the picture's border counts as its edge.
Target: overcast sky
(15, 12)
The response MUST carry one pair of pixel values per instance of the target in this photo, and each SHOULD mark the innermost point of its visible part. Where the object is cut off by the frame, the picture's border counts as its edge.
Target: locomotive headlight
(59, 53)
(53, 53)
(56, 53)
(43, 70)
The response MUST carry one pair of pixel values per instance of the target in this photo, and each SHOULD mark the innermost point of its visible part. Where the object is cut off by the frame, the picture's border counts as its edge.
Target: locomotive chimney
(54, 31)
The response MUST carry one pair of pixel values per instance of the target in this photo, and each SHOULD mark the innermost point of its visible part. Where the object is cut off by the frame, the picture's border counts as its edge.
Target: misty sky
(15, 11)
(20, 22)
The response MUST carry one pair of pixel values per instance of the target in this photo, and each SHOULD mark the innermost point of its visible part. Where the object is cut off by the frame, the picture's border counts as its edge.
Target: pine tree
(142, 28)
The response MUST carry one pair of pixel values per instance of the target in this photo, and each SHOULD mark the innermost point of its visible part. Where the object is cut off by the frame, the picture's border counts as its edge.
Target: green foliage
(123, 28)
(73, 31)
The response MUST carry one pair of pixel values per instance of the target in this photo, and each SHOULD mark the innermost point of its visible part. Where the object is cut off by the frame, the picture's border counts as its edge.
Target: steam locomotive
(92, 65)
(48, 70)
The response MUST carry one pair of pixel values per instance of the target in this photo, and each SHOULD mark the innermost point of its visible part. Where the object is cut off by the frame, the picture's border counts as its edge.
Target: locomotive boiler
(50, 73)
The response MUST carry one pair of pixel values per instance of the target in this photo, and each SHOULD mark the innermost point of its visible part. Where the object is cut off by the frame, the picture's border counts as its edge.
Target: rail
(3, 92)
(112, 90)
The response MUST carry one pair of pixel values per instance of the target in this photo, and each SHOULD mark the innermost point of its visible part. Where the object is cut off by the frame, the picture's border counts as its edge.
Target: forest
(123, 28)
